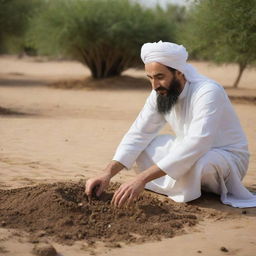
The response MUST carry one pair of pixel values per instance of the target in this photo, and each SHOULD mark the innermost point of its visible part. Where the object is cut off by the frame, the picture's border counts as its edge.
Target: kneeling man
(209, 150)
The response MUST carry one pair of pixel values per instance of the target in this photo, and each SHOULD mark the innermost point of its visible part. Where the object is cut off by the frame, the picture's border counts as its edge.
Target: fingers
(117, 195)
(121, 198)
(123, 195)
(131, 199)
(90, 185)
(99, 189)
(88, 188)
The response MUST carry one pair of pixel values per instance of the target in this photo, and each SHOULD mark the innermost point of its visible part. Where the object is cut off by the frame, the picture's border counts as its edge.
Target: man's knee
(212, 166)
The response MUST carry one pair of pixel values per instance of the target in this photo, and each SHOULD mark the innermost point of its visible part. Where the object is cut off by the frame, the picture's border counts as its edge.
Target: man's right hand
(99, 183)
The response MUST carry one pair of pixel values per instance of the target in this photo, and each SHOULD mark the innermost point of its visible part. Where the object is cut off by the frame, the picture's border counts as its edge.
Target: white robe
(209, 150)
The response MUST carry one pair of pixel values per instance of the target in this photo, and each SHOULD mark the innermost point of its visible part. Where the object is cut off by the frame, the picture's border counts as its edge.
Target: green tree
(105, 35)
(14, 15)
(223, 31)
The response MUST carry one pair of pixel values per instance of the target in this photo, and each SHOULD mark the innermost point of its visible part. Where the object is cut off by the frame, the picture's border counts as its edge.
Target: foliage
(223, 31)
(105, 35)
(14, 15)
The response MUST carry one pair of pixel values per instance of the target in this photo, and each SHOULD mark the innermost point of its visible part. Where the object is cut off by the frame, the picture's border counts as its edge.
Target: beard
(166, 102)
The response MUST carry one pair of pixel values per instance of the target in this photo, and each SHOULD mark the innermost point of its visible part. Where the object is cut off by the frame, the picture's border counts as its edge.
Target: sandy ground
(58, 134)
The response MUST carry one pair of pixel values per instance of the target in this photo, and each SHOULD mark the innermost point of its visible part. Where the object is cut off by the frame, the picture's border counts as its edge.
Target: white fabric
(208, 133)
(171, 55)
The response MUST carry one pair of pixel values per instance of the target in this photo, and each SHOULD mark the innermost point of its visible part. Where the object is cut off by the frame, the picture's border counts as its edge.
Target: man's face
(159, 76)
(165, 83)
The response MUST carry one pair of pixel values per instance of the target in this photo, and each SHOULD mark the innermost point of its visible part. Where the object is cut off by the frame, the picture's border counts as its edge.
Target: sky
(163, 3)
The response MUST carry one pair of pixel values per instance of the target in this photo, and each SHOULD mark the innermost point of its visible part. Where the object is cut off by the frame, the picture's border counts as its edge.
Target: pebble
(44, 249)
(223, 249)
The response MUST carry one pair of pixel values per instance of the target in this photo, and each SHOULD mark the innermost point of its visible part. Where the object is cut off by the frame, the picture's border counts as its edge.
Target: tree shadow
(123, 82)
(243, 99)
(21, 82)
(14, 113)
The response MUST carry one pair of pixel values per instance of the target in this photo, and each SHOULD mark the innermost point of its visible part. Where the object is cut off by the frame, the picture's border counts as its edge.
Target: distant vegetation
(222, 31)
(106, 35)
(14, 21)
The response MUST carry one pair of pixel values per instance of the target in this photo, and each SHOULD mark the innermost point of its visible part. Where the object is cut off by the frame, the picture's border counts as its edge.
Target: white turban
(171, 55)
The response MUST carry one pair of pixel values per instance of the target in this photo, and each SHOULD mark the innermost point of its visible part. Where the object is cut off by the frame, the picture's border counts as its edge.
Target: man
(209, 150)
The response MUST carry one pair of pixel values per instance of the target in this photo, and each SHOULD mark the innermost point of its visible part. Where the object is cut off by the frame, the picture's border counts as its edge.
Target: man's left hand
(127, 192)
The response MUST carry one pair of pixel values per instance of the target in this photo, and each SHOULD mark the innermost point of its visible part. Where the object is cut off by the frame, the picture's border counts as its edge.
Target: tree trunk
(242, 67)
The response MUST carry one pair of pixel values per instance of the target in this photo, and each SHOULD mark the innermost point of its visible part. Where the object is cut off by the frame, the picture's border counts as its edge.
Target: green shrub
(14, 16)
(223, 31)
(105, 35)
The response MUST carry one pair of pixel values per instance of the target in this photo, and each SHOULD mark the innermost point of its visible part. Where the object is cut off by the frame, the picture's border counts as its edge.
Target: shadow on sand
(212, 201)
(14, 113)
(113, 83)
(21, 82)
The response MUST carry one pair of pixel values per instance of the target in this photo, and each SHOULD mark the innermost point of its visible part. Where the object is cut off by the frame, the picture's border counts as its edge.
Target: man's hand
(127, 192)
(99, 183)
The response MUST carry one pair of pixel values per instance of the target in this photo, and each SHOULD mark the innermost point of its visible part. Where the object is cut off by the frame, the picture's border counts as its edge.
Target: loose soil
(63, 212)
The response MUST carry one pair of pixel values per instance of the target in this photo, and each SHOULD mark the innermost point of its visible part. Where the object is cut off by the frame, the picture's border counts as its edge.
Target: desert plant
(14, 16)
(105, 35)
(223, 31)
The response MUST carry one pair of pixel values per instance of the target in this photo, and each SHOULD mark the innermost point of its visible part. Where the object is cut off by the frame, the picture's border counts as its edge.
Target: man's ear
(179, 75)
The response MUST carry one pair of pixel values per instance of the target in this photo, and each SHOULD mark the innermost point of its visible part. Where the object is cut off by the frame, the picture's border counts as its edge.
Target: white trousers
(210, 173)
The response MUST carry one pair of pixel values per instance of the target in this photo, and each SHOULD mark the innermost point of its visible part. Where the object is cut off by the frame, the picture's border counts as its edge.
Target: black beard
(166, 102)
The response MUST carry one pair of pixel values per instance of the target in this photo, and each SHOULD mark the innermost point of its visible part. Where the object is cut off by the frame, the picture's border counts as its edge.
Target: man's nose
(155, 84)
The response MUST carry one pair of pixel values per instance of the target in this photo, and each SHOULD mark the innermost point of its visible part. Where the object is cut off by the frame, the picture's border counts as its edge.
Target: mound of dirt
(63, 211)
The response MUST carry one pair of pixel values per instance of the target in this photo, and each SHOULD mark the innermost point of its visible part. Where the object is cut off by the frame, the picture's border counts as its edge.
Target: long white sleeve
(142, 132)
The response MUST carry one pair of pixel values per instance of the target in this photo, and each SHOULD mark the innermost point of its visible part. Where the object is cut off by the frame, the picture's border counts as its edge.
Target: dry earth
(51, 135)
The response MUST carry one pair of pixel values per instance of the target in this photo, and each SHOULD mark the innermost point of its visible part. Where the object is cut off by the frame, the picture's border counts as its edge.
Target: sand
(60, 135)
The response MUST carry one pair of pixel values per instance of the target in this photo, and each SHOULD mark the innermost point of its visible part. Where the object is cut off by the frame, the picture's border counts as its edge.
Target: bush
(223, 31)
(105, 35)
(14, 15)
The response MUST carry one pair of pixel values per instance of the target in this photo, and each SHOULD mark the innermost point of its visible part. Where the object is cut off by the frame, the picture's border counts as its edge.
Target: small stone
(223, 249)
(41, 233)
(3, 223)
(67, 236)
(80, 235)
(44, 249)
(104, 209)
(113, 245)
(68, 222)
(199, 251)
(34, 241)
(80, 204)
